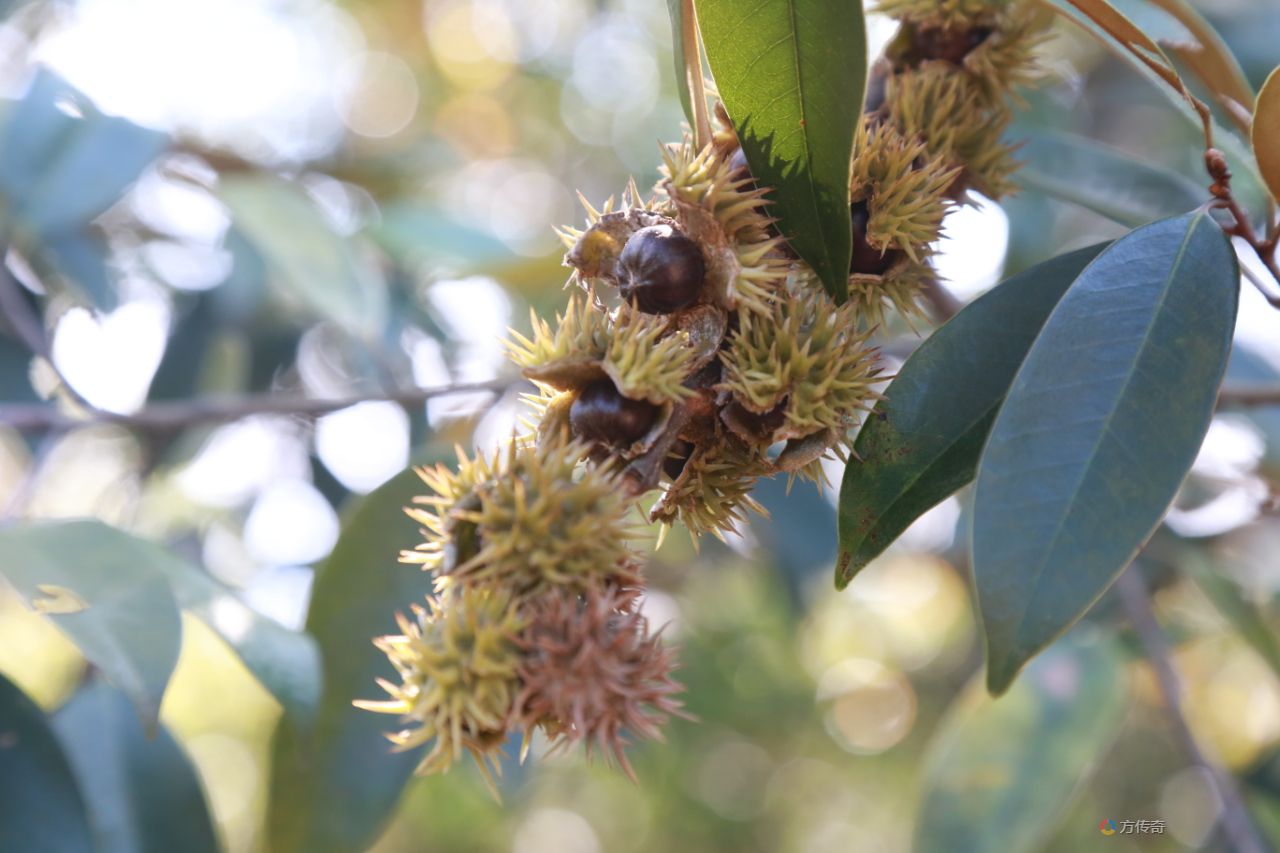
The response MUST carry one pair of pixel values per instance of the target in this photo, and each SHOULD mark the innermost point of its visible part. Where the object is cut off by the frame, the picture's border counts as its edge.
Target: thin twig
(1236, 822)
(19, 314)
(942, 301)
(1264, 246)
(1245, 395)
(27, 326)
(167, 417)
(1261, 286)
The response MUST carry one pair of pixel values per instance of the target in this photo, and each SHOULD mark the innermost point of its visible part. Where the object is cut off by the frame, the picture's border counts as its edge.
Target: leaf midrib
(803, 129)
(1106, 422)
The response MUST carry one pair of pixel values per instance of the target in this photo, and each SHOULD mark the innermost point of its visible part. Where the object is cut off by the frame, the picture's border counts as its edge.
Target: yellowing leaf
(1266, 132)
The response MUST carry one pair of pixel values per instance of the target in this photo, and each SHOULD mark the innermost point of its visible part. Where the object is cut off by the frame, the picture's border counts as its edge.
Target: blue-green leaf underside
(1107, 181)
(40, 803)
(1098, 430)
(922, 442)
(792, 74)
(143, 793)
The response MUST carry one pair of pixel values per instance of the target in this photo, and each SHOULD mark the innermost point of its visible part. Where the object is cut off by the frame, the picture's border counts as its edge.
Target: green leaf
(1099, 429)
(922, 442)
(286, 662)
(1000, 774)
(677, 53)
(310, 263)
(142, 792)
(1266, 132)
(64, 162)
(1228, 599)
(129, 626)
(1107, 181)
(333, 790)
(40, 805)
(792, 74)
(1246, 182)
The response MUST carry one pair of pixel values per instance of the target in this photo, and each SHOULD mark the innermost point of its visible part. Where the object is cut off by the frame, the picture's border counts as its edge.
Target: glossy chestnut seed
(752, 426)
(949, 45)
(602, 415)
(867, 259)
(661, 270)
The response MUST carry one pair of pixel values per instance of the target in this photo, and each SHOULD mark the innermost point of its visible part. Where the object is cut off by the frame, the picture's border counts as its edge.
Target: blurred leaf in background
(209, 207)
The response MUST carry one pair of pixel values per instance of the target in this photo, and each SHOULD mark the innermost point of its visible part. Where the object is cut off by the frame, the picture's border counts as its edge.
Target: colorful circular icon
(1107, 827)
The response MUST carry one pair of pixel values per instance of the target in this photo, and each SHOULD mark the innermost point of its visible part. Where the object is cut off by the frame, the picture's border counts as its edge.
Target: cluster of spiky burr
(535, 621)
(697, 355)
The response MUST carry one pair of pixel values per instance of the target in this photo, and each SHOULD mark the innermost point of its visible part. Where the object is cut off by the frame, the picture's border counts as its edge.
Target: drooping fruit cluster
(935, 114)
(533, 566)
(696, 355)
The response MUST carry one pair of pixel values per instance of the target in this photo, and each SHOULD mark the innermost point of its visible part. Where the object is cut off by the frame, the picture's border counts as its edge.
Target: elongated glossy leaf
(308, 261)
(923, 441)
(143, 794)
(40, 804)
(1109, 182)
(1266, 132)
(1001, 774)
(333, 790)
(117, 609)
(792, 74)
(1098, 431)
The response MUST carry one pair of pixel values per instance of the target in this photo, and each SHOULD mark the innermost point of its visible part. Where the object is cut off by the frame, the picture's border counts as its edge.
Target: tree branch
(25, 323)
(1236, 822)
(1215, 163)
(168, 417)
(942, 302)
(1247, 395)
(18, 313)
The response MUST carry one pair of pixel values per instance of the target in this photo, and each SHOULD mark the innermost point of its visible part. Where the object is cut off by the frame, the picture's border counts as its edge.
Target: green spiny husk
(457, 661)
(809, 357)
(526, 520)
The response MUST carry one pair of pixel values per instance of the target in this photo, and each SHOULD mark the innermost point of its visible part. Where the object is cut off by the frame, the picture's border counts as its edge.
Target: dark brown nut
(602, 415)
(867, 259)
(661, 270)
